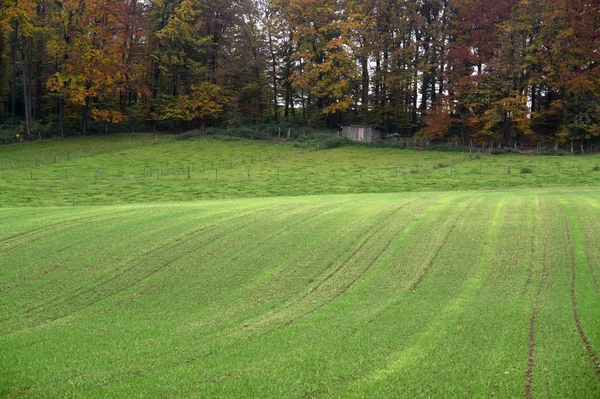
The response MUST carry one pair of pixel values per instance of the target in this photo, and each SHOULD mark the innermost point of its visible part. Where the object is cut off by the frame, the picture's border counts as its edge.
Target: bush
(400, 144)
(556, 153)
(336, 142)
(503, 151)
(447, 148)
(8, 134)
(301, 136)
(188, 135)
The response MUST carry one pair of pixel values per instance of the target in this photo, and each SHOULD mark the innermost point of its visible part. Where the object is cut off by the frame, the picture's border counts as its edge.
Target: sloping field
(388, 295)
(115, 170)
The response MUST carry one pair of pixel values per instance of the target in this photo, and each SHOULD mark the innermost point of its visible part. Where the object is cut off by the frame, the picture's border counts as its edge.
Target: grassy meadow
(141, 169)
(371, 276)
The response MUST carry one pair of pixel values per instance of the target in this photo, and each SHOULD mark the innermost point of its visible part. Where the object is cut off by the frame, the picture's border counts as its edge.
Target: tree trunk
(365, 87)
(25, 67)
(13, 86)
(274, 75)
(85, 116)
(61, 116)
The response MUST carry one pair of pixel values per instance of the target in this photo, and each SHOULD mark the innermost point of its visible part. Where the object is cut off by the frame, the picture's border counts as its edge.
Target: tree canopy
(485, 71)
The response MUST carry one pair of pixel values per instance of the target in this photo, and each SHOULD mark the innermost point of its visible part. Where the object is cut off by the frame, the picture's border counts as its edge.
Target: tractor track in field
(49, 226)
(192, 235)
(528, 391)
(584, 338)
(155, 270)
(361, 275)
(79, 293)
(592, 270)
(380, 225)
(322, 210)
(427, 268)
(48, 229)
(531, 263)
(336, 296)
(588, 256)
(19, 215)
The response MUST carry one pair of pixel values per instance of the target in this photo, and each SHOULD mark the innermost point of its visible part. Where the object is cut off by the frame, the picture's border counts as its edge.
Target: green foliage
(583, 119)
(556, 152)
(302, 137)
(504, 150)
(336, 142)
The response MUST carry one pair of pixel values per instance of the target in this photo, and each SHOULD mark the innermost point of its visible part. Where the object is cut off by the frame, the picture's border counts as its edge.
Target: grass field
(470, 293)
(64, 172)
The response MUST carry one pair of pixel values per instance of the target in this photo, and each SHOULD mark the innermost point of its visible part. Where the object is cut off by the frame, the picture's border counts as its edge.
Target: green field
(137, 169)
(130, 286)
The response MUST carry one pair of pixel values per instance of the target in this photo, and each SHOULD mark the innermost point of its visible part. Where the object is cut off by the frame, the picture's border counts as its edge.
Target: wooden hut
(366, 134)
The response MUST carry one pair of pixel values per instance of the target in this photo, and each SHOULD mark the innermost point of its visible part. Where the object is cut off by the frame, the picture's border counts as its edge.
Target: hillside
(379, 273)
(142, 169)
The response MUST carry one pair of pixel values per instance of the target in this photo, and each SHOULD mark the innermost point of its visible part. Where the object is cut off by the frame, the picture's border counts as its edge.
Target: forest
(514, 72)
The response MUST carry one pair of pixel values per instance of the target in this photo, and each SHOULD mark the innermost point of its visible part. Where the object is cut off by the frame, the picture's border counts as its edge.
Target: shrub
(336, 142)
(302, 137)
(502, 151)
(398, 144)
(556, 153)
(447, 148)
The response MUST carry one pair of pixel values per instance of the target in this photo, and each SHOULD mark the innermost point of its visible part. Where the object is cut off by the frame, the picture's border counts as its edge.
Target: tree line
(485, 71)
